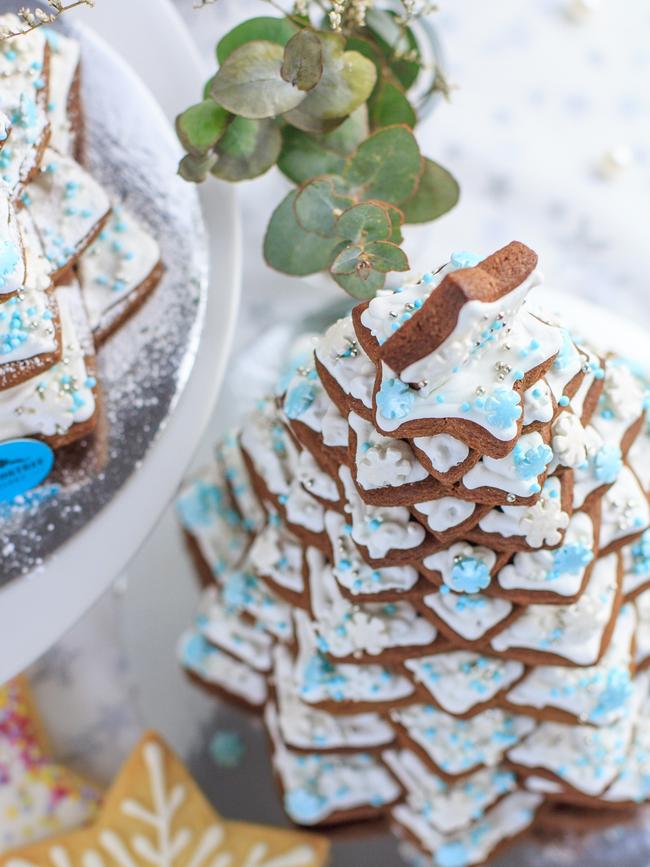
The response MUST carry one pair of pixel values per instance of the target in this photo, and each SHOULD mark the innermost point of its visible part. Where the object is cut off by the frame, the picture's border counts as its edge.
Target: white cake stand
(35, 610)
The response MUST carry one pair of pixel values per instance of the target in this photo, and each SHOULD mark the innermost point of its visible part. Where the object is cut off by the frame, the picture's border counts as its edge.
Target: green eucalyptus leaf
(390, 106)
(249, 83)
(369, 50)
(347, 81)
(207, 88)
(349, 260)
(278, 30)
(318, 205)
(201, 126)
(386, 166)
(305, 156)
(394, 40)
(362, 285)
(248, 149)
(364, 222)
(396, 217)
(346, 137)
(385, 256)
(292, 250)
(436, 194)
(196, 168)
(302, 65)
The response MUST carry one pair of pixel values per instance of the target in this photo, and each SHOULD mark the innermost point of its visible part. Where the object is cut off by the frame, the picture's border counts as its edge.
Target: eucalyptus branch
(34, 18)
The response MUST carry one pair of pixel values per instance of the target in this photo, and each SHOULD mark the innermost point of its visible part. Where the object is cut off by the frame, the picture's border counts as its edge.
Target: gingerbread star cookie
(155, 814)
(38, 798)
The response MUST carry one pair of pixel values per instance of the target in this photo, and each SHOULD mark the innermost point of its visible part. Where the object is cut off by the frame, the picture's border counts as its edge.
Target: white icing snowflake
(569, 440)
(385, 465)
(542, 522)
(367, 633)
(623, 391)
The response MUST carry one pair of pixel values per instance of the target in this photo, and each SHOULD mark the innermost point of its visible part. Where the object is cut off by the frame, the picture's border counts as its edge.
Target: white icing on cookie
(443, 451)
(320, 680)
(508, 818)
(52, 402)
(460, 680)
(353, 573)
(346, 629)
(380, 529)
(586, 758)
(236, 473)
(450, 807)
(225, 629)
(12, 260)
(463, 567)
(334, 427)
(518, 473)
(383, 461)
(115, 265)
(67, 205)
(538, 403)
(308, 728)
(540, 524)
(636, 564)
(216, 667)
(445, 513)
(559, 571)
(317, 786)
(277, 554)
(642, 605)
(457, 746)
(470, 615)
(339, 352)
(64, 60)
(599, 694)
(624, 510)
(575, 631)
(569, 441)
(633, 783)
(207, 512)
(242, 590)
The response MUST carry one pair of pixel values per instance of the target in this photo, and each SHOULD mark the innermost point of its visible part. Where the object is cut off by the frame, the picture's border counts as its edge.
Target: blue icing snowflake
(615, 694)
(566, 352)
(299, 399)
(199, 506)
(464, 259)
(570, 559)
(532, 462)
(503, 408)
(469, 575)
(303, 805)
(453, 854)
(227, 749)
(290, 368)
(641, 554)
(608, 463)
(395, 399)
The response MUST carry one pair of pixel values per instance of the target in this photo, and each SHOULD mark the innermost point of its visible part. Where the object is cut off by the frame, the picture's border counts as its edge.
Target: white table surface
(540, 101)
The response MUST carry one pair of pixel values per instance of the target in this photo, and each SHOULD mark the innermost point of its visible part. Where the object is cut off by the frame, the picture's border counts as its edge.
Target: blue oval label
(23, 465)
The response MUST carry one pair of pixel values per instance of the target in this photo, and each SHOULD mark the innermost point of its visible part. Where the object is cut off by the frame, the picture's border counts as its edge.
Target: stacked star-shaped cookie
(73, 264)
(427, 560)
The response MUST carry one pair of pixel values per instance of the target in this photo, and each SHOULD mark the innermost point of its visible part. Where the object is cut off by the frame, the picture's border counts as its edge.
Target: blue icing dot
(641, 554)
(236, 591)
(608, 463)
(303, 805)
(395, 399)
(453, 854)
(200, 505)
(227, 749)
(469, 575)
(464, 259)
(503, 408)
(531, 463)
(299, 399)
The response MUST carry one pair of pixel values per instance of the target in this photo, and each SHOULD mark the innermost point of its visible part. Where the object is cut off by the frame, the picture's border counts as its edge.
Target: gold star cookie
(156, 816)
(38, 798)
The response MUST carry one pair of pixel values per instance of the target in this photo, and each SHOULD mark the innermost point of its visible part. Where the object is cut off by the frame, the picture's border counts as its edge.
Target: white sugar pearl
(615, 161)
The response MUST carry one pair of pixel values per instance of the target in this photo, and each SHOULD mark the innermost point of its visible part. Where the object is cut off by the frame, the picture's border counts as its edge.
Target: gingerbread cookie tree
(427, 562)
(73, 265)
